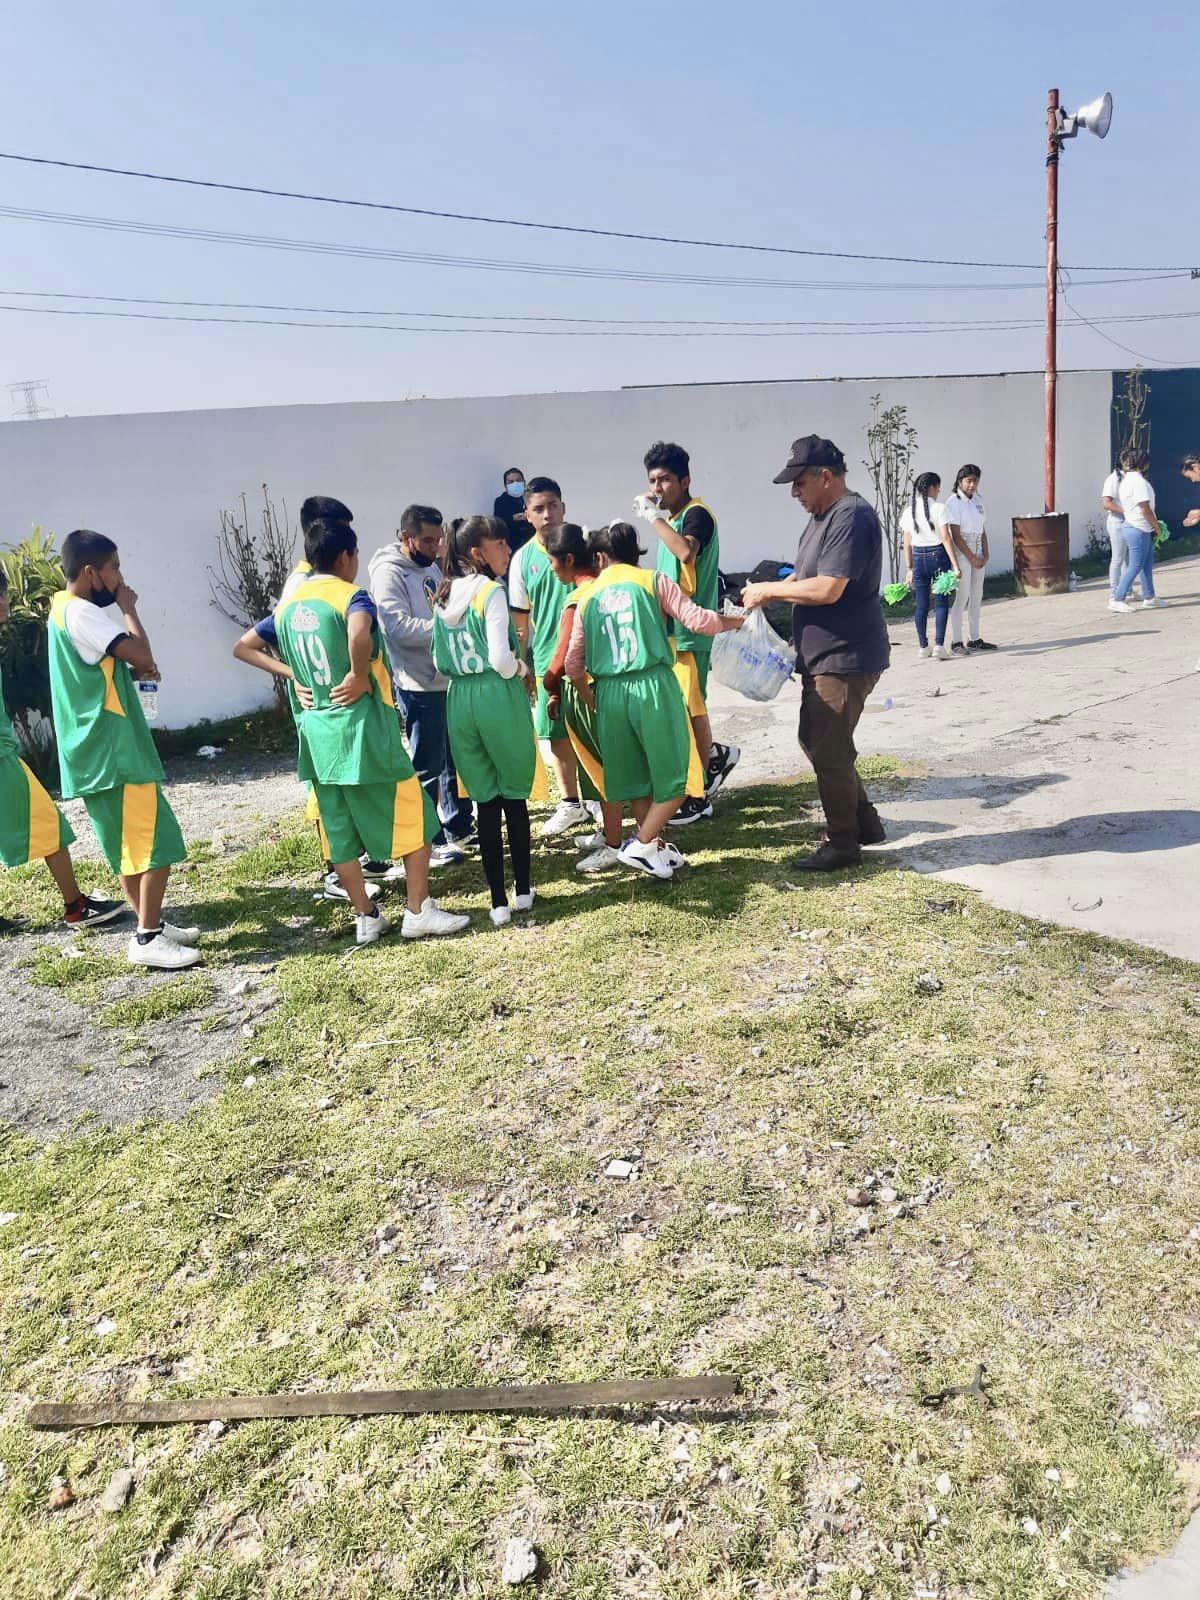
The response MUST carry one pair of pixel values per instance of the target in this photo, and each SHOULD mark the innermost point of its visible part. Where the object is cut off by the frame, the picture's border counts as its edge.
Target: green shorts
(136, 828)
(490, 731)
(644, 734)
(548, 727)
(386, 820)
(31, 825)
(581, 730)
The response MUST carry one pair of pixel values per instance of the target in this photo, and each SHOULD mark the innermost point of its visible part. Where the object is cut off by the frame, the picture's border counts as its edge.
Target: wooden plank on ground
(386, 1402)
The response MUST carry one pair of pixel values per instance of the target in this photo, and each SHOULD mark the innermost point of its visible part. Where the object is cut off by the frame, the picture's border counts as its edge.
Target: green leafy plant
(35, 576)
(891, 441)
(252, 567)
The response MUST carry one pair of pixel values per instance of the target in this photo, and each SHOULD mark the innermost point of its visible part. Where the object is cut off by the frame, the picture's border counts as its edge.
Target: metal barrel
(1042, 553)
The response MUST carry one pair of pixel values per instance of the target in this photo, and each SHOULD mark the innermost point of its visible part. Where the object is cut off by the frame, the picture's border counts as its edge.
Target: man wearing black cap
(841, 640)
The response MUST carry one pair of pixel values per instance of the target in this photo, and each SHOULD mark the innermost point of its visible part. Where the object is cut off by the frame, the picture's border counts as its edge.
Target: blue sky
(914, 130)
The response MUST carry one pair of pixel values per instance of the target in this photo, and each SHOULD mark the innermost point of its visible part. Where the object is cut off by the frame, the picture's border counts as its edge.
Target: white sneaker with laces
(942, 653)
(648, 858)
(331, 888)
(188, 937)
(501, 916)
(1153, 604)
(1119, 605)
(568, 814)
(925, 652)
(161, 952)
(675, 856)
(445, 855)
(524, 902)
(432, 922)
(589, 841)
(368, 929)
(599, 860)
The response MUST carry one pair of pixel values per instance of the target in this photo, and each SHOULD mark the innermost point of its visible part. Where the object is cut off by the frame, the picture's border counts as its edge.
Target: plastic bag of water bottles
(755, 660)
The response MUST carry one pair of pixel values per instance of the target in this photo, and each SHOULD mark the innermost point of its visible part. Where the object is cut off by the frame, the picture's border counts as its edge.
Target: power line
(488, 264)
(1116, 343)
(617, 325)
(815, 331)
(547, 227)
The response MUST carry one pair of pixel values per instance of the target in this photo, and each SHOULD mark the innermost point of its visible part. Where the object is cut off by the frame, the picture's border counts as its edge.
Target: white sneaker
(925, 652)
(188, 937)
(524, 902)
(942, 653)
(368, 929)
(648, 858)
(590, 841)
(1153, 604)
(161, 952)
(569, 814)
(432, 922)
(445, 855)
(501, 916)
(1119, 605)
(599, 860)
(675, 856)
(331, 889)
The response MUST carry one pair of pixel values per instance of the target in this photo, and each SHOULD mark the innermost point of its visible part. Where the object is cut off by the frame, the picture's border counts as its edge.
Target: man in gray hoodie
(404, 577)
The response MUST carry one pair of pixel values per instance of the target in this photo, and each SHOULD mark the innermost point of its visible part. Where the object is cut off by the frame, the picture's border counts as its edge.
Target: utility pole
(1053, 146)
(26, 402)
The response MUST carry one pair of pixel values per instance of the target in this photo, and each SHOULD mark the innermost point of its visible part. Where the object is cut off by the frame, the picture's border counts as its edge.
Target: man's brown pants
(830, 707)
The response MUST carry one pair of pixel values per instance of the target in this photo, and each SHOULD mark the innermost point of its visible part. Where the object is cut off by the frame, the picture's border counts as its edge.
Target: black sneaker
(374, 869)
(691, 811)
(90, 912)
(961, 649)
(981, 644)
(870, 828)
(721, 763)
(828, 857)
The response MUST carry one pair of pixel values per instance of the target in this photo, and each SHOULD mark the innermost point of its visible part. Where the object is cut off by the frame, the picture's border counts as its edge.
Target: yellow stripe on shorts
(139, 819)
(408, 818)
(45, 836)
(587, 760)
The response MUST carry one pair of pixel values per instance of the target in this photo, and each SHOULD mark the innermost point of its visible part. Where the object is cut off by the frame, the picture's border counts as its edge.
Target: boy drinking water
(97, 645)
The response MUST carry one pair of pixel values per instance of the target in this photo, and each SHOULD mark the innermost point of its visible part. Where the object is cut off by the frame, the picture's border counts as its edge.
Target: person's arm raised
(134, 650)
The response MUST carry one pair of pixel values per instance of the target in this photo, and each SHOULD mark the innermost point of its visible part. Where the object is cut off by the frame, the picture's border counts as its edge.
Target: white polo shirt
(968, 515)
(924, 535)
(1134, 489)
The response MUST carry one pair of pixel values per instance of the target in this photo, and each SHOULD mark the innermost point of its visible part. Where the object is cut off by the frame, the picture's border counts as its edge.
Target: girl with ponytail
(929, 551)
(968, 531)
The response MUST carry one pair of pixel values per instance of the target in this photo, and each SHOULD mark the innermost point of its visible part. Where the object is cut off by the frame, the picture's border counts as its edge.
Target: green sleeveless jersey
(699, 579)
(624, 629)
(103, 740)
(460, 649)
(345, 745)
(8, 739)
(547, 598)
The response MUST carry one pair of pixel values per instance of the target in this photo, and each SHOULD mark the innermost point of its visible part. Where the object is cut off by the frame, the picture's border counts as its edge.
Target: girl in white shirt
(929, 551)
(968, 531)
(1114, 526)
(1136, 495)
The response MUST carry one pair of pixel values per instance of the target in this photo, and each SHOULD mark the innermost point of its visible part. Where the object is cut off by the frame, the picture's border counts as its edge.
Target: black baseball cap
(811, 451)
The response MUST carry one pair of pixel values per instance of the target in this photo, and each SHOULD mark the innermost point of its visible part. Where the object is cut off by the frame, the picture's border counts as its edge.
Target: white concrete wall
(156, 482)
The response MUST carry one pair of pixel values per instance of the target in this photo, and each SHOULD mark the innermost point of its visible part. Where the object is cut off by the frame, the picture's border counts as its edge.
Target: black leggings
(491, 846)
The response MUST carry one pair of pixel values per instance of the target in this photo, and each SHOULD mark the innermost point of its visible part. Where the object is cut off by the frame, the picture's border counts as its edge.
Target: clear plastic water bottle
(880, 703)
(148, 698)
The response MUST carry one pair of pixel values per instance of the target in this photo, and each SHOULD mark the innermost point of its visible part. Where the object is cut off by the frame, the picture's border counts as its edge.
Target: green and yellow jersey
(623, 626)
(699, 578)
(533, 587)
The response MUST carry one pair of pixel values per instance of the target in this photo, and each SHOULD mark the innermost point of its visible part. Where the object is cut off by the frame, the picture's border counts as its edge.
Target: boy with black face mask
(404, 577)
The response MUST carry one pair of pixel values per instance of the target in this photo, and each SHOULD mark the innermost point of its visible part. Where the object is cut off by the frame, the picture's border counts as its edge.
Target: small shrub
(35, 576)
(252, 567)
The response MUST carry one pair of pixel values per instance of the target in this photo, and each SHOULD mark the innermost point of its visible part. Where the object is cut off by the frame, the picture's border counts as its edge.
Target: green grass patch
(168, 998)
(412, 1193)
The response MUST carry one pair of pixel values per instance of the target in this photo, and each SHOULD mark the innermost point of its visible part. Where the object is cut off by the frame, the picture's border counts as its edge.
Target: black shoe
(981, 644)
(374, 869)
(722, 762)
(870, 828)
(828, 857)
(691, 811)
(961, 649)
(90, 912)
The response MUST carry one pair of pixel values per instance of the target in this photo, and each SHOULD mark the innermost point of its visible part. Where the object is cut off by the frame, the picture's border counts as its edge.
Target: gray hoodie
(403, 591)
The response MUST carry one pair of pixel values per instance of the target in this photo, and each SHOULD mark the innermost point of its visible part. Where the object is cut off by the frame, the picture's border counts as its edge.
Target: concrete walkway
(1059, 774)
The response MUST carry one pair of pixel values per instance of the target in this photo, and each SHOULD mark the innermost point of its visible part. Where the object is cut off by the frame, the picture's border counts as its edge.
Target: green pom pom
(895, 592)
(1163, 534)
(944, 583)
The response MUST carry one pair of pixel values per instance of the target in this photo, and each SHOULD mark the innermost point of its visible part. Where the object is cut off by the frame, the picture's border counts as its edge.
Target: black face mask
(418, 558)
(103, 597)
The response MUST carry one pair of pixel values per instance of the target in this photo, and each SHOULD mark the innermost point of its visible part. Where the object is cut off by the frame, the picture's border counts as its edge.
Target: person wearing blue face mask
(509, 508)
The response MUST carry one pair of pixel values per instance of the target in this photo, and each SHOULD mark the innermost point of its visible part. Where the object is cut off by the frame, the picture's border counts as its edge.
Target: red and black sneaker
(89, 912)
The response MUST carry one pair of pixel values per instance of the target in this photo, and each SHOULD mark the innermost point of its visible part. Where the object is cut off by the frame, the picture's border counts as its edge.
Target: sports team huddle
(488, 656)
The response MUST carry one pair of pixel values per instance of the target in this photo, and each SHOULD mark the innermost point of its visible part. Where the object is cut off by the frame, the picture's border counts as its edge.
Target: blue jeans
(1141, 560)
(928, 563)
(1120, 553)
(424, 713)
